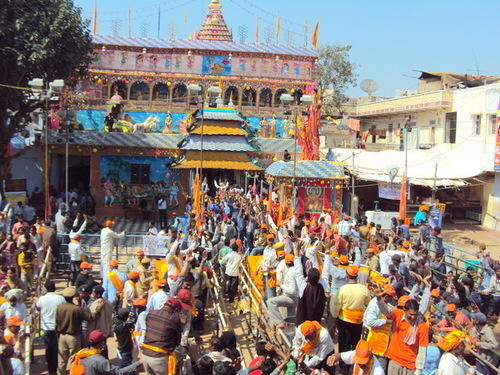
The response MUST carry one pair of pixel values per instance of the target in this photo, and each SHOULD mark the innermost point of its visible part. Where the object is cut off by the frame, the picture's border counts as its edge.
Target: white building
(452, 119)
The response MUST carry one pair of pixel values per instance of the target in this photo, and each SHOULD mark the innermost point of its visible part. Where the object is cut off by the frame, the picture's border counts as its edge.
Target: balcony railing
(412, 103)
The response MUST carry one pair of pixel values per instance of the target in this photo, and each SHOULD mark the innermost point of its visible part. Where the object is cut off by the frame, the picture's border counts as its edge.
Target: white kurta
(107, 243)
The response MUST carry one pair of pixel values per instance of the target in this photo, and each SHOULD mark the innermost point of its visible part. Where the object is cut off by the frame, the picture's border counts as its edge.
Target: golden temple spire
(214, 27)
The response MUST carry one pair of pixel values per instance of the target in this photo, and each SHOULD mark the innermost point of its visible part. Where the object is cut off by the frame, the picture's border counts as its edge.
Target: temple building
(138, 133)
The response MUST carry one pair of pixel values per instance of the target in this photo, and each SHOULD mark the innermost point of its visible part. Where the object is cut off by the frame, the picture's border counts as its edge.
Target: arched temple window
(139, 91)
(231, 92)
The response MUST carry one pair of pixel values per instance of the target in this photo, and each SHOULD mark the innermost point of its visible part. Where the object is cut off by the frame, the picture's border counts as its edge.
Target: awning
(444, 165)
(219, 130)
(276, 145)
(218, 143)
(98, 138)
(306, 169)
(218, 164)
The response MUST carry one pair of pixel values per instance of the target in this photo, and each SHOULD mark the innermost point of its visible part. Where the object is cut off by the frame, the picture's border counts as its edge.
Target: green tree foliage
(336, 73)
(38, 39)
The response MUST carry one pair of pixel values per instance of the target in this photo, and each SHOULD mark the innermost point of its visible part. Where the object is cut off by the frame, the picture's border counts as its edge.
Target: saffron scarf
(308, 328)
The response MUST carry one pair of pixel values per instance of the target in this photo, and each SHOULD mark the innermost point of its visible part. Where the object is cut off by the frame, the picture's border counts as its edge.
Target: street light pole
(40, 92)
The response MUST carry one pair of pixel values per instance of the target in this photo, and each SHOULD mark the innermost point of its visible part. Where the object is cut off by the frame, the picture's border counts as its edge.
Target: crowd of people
(359, 300)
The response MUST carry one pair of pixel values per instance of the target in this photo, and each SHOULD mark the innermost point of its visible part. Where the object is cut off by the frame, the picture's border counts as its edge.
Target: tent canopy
(449, 166)
(306, 169)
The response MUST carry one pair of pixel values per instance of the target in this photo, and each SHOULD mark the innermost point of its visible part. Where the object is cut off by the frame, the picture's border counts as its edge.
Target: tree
(335, 74)
(38, 39)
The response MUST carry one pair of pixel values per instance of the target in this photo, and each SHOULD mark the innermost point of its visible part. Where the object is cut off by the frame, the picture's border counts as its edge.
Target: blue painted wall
(118, 168)
(92, 119)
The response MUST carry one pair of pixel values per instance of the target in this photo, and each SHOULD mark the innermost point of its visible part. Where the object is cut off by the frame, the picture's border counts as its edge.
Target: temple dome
(214, 27)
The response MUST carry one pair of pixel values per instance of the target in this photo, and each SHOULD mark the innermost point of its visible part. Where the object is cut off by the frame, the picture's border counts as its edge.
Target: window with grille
(492, 118)
(476, 124)
(140, 174)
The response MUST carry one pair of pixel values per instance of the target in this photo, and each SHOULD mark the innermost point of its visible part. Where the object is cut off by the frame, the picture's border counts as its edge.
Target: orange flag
(315, 35)
(402, 200)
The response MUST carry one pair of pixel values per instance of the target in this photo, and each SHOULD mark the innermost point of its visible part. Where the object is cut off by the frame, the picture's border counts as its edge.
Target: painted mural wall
(202, 64)
(128, 179)
(268, 127)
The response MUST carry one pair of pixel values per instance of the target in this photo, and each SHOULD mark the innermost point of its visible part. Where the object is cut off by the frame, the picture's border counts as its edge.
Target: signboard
(389, 191)
(217, 65)
(154, 246)
(436, 215)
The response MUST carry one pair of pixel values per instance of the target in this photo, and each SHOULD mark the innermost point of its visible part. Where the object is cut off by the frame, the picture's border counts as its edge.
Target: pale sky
(390, 39)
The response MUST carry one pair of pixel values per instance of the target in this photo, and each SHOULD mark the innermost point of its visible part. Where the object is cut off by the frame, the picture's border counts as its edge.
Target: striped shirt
(163, 330)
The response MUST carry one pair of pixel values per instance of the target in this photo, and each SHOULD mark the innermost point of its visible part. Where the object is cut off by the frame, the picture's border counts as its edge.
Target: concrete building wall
(29, 166)
(429, 127)
(476, 113)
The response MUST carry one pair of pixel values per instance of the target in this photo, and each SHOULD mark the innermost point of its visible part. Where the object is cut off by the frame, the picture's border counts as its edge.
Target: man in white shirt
(232, 262)
(162, 212)
(157, 299)
(314, 343)
(450, 363)
(288, 298)
(344, 226)
(108, 236)
(47, 305)
(365, 363)
(75, 251)
(61, 220)
(152, 229)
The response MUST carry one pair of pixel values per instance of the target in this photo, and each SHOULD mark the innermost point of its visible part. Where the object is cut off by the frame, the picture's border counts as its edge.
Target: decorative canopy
(214, 27)
(306, 169)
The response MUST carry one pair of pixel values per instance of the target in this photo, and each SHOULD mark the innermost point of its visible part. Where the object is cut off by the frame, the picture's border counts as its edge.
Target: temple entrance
(219, 176)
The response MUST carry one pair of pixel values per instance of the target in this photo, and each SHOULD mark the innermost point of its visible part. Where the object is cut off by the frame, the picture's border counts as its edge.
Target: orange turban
(289, 258)
(133, 275)
(352, 270)
(403, 299)
(451, 340)
(344, 259)
(309, 328)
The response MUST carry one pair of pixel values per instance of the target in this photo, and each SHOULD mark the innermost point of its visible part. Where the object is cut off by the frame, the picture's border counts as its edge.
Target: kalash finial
(214, 5)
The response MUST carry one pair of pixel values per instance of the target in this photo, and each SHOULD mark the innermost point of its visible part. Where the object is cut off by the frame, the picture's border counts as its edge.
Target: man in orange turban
(453, 345)
(313, 344)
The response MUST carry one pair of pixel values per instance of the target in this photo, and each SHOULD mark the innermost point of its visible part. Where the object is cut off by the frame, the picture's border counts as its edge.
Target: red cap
(185, 298)
(174, 302)
(139, 252)
(77, 237)
(96, 336)
(85, 266)
(109, 223)
(113, 263)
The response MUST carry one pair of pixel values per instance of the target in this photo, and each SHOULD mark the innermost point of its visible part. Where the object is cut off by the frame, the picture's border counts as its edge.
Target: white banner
(154, 246)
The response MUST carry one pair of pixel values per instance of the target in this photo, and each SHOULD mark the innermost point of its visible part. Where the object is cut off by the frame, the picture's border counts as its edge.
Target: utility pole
(434, 184)
(353, 196)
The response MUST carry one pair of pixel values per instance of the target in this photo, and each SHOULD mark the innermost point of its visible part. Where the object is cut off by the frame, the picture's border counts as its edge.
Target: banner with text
(389, 191)
(154, 246)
